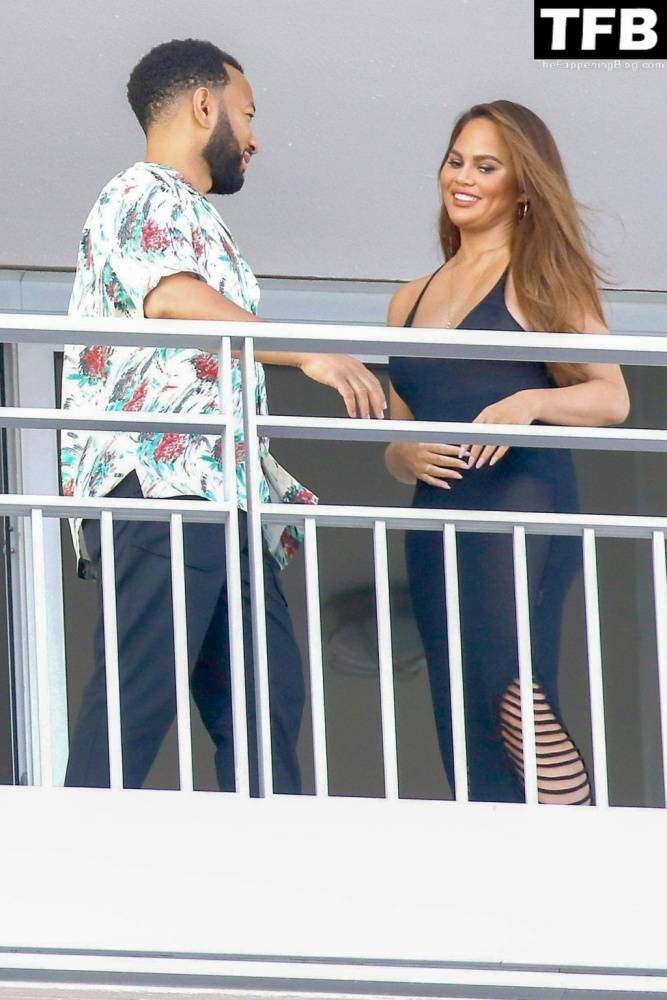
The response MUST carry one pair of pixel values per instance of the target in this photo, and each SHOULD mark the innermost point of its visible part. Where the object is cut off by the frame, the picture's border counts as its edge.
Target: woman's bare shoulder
(403, 300)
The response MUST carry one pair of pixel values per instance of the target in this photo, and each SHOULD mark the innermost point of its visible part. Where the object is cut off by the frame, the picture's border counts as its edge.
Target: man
(154, 246)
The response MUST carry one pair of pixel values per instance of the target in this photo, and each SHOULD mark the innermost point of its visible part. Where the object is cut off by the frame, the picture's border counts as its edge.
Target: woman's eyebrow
(481, 156)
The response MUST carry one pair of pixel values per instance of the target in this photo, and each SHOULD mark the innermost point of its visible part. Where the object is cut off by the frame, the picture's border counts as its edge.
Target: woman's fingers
(444, 449)
(500, 453)
(442, 472)
(431, 481)
(444, 456)
(445, 461)
(485, 455)
(436, 475)
(490, 454)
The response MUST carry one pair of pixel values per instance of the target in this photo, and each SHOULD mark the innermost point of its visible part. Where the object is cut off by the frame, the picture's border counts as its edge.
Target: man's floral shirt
(147, 223)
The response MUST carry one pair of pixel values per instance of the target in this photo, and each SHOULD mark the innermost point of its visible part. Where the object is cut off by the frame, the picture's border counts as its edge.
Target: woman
(515, 259)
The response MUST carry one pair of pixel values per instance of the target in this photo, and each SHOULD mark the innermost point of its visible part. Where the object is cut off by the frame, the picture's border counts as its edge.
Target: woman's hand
(434, 464)
(520, 408)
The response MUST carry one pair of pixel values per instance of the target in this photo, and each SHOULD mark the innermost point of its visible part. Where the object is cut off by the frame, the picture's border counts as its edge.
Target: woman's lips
(463, 199)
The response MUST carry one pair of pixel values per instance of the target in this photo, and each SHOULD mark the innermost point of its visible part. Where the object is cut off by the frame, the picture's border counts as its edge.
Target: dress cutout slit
(561, 773)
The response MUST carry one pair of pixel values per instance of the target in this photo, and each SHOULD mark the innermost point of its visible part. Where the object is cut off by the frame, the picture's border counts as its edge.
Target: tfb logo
(599, 31)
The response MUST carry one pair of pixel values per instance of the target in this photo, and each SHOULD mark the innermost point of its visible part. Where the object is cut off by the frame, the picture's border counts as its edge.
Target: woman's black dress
(526, 479)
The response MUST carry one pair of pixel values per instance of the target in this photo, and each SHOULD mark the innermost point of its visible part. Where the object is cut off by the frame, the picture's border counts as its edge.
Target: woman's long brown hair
(553, 272)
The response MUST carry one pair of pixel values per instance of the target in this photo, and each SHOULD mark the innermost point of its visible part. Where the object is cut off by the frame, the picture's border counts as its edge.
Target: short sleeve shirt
(147, 223)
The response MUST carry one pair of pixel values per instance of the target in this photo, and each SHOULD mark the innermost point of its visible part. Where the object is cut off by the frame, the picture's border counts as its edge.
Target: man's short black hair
(171, 68)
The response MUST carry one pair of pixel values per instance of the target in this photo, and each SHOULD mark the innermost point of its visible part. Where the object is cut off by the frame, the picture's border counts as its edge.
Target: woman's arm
(597, 401)
(598, 398)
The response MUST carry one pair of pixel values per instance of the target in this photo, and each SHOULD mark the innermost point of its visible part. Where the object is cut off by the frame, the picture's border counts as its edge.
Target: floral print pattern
(147, 223)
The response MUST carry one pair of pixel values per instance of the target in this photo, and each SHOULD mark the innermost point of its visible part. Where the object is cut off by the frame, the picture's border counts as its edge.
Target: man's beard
(223, 156)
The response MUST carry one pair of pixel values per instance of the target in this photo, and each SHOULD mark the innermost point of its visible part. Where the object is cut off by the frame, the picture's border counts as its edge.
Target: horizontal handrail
(110, 420)
(426, 519)
(407, 518)
(337, 429)
(144, 509)
(631, 349)
(535, 435)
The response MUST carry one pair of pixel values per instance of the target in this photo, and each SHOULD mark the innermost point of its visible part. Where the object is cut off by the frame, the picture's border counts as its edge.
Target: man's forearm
(184, 296)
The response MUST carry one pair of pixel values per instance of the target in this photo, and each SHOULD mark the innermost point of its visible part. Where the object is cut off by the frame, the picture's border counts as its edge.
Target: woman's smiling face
(479, 186)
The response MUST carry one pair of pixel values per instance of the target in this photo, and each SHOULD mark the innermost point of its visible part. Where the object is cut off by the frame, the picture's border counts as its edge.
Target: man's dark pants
(146, 654)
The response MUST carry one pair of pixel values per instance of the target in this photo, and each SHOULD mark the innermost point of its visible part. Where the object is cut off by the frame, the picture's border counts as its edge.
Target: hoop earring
(523, 210)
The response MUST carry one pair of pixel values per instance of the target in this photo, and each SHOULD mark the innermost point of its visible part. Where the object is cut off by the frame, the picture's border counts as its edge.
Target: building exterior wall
(355, 103)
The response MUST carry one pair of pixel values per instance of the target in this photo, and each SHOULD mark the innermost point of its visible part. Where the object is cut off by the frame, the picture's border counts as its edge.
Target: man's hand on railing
(184, 296)
(360, 389)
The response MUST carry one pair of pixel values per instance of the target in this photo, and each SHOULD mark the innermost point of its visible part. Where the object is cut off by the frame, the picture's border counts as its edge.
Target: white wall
(355, 103)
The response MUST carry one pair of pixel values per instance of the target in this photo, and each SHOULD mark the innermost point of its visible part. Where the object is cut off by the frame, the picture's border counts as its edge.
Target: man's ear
(202, 107)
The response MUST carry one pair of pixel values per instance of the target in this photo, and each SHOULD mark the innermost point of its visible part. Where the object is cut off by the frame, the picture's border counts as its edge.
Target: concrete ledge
(314, 300)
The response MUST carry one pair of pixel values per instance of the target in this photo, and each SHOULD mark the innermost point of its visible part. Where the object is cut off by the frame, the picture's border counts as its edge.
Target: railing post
(315, 660)
(595, 683)
(525, 665)
(233, 568)
(41, 649)
(181, 664)
(111, 650)
(256, 554)
(455, 663)
(660, 598)
(387, 706)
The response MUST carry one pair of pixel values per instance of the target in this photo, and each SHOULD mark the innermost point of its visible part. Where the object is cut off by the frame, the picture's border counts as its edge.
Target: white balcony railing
(644, 350)
(40, 733)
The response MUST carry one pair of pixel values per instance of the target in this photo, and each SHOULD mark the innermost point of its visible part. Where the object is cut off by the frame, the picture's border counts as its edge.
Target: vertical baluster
(41, 649)
(660, 597)
(455, 663)
(595, 669)
(525, 664)
(111, 650)
(256, 554)
(386, 661)
(183, 726)
(233, 567)
(315, 659)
